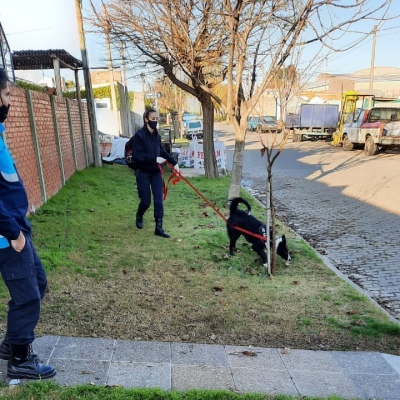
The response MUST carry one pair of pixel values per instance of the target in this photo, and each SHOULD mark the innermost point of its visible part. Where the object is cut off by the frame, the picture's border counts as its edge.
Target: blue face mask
(4, 112)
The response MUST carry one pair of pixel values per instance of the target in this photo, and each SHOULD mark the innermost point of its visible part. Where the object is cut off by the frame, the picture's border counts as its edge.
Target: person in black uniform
(20, 266)
(148, 154)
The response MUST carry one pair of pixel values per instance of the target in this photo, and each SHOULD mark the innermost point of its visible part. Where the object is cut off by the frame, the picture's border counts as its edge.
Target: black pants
(147, 183)
(26, 280)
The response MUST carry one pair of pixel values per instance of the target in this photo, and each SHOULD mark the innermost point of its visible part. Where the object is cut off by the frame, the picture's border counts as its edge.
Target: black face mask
(153, 124)
(4, 112)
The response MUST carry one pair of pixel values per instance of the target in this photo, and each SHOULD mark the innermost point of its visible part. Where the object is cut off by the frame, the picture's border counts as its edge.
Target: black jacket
(146, 148)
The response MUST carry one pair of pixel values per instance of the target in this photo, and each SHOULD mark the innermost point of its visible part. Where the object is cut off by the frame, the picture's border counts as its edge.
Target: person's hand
(19, 243)
(160, 160)
(176, 167)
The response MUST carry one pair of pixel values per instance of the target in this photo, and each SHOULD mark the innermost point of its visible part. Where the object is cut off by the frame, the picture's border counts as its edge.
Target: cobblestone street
(355, 225)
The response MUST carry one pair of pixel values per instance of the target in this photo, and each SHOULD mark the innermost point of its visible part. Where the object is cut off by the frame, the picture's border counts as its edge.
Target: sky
(51, 24)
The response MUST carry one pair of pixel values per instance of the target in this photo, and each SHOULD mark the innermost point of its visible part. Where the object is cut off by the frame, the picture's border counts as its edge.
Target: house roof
(43, 59)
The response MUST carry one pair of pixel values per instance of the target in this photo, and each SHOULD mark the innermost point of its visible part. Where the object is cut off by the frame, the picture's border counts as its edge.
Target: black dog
(244, 220)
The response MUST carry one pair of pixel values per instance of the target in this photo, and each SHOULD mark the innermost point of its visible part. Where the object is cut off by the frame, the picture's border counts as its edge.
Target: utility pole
(88, 87)
(126, 92)
(142, 75)
(371, 70)
(107, 29)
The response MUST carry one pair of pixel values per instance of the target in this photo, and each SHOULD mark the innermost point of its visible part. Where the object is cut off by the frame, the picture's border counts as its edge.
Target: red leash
(175, 178)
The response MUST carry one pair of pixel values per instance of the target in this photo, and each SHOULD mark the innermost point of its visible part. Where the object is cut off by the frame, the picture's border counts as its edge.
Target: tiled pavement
(183, 366)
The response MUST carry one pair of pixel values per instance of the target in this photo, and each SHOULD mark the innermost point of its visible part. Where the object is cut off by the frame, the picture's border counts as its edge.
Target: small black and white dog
(244, 220)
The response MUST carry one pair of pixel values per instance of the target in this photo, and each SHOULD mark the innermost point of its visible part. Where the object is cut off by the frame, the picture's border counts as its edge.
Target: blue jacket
(13, 198)
(146, 148)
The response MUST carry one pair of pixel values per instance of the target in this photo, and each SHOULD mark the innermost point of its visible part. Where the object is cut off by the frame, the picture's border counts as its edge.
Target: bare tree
(243, 42)
(183, 39)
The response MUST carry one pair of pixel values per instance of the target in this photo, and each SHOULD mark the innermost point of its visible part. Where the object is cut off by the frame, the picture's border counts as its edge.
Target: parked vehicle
(316, 121)
(375, 128)
(253, 123)
(267, 123)
(292, 120)
(193, 127)
(189, 116)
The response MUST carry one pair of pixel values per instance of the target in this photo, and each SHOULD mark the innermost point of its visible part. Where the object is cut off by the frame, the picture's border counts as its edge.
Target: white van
(193, 128)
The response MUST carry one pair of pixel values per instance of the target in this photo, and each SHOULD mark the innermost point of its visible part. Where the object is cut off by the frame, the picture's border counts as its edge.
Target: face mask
(4, 112)
(153, 124)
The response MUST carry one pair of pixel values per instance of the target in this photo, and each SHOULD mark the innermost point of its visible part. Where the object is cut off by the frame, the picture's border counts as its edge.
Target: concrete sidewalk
(183, 366)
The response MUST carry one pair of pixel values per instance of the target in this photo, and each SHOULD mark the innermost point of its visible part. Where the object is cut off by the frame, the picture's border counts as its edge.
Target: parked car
(269, 124)
(193, 128)
(253, 123)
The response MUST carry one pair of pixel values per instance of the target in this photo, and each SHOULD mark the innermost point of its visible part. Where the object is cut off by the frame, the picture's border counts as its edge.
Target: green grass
(52, 391)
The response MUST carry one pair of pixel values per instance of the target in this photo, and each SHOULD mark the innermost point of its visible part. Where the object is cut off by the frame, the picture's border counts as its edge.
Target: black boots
(159, 231)
(139, 220)
(23, 364)
(5, 351)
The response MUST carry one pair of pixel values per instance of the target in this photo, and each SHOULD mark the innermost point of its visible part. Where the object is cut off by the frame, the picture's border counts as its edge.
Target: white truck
(377, 128)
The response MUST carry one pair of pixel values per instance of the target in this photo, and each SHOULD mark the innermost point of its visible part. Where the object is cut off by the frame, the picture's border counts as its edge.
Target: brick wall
(46, 158)
(47, 143)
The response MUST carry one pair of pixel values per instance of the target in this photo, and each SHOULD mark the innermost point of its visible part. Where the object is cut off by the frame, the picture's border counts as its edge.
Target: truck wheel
(297, 137)
(369, 147)
(347, 145)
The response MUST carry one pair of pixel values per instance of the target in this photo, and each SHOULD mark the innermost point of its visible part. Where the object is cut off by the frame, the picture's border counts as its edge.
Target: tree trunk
(210, 162)
(272, 213)
(237, 168)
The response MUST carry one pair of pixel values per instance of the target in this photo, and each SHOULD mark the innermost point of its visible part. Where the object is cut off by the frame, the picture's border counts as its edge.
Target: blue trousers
(147, 183)
(26, 280)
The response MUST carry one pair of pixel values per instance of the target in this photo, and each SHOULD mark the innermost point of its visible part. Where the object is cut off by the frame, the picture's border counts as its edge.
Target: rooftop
(43, 59)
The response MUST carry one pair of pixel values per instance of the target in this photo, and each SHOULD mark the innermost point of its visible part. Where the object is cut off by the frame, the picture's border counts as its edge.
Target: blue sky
(51, 24)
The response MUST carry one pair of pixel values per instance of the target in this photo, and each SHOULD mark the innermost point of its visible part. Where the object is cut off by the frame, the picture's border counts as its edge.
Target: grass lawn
(49, 391)
(109, 279)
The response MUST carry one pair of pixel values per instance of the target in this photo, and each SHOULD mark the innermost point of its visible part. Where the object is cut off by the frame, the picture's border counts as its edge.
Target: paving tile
(71, 372)
(394, 361)
(185, 377)
(134, 351)
(44, 346)
(3, 371)
(198, 354)
(377, 386)
(84, 349)
(362, 362)
(308, 360)
(271, 381)
(265, 358)
(144, 375)
(322, 383)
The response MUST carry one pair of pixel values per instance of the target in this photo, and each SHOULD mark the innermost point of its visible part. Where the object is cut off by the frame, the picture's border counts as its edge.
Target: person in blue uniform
(149, 154)
(20, 266)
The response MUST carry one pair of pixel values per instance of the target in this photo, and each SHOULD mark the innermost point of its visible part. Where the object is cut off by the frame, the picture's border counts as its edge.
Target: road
(346, 205)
